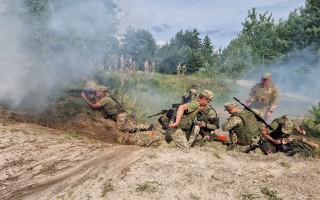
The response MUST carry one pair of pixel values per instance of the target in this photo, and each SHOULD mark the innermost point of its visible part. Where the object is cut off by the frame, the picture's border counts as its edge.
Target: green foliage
(238, 58)
(139, 44)
(169, 56)
(108, 187)
(261, 33)
(72, 107)
(145, 95)
(315, 112)
(185, 48)
(146, 187)
(271, 194)
(312, 124)
(285, 164)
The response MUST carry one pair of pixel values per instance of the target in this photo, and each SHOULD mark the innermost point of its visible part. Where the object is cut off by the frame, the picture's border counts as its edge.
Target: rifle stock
(256, 115)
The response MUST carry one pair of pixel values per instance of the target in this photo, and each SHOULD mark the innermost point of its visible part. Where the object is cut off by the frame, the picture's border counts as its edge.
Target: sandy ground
(39, 162)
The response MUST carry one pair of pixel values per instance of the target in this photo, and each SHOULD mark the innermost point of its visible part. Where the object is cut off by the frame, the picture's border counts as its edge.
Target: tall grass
(147, 94)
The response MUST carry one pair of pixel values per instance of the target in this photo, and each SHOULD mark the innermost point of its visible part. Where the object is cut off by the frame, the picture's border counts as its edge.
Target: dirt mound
(69, 114)
(68, 152)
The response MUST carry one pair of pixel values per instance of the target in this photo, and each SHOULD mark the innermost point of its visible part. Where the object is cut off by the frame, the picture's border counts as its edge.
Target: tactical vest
(113, 111)
(278, 134)
(206, 118)
(248, 129)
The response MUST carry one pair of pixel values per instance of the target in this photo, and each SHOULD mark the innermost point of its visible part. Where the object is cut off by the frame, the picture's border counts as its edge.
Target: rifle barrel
(255, 114)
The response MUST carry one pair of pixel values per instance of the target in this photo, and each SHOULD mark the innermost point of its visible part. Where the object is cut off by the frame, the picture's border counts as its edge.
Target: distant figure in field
(153, 66)
(184, 69)
(178, 69)
(146, 66)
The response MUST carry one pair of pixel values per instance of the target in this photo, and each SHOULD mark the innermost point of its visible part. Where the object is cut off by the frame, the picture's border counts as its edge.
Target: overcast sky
(220, 19)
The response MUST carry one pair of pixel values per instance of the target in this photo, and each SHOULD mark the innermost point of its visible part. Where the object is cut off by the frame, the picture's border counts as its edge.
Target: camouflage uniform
(184, 69)
(179, 134)
(282, 129)
(153, 65)
(146, 66)
(146, 138)
(178, 69)
(208, 116)
(125, 122)
(263, 98)
(185, 133)
(243, 127)
(91, 85)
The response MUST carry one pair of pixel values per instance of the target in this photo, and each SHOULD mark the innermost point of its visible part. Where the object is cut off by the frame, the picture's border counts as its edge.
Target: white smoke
(29, 76)
(296, 77)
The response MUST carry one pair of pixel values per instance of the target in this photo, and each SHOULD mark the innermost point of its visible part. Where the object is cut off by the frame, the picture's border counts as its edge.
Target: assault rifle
(79, 91)
(256, 115)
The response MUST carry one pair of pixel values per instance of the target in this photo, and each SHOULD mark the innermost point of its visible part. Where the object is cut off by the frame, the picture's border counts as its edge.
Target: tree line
(260, 42)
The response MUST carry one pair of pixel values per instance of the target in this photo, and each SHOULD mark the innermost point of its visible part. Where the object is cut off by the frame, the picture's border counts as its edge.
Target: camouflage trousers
(179, 136)
(254, 142)
(126, 123)
(146, 138)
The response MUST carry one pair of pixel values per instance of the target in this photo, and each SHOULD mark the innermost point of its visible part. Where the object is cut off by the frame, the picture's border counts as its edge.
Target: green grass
(152, 156)
(271, 194)
(108, 187)
(216, 154)
(194, 197)
(285, 164)
(146, 187)
(70, 136)
(250, 196)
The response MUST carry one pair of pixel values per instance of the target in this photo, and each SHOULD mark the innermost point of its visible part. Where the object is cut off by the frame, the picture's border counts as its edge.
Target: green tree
(139, 44)
(169, 56)
(238, 58)
(87, 34)
(261, 31)
(207, 50)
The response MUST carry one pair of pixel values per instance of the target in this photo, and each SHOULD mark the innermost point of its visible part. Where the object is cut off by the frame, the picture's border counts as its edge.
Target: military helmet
(208, 94)
(266, 76)
(229, 105)
(102, 88)
(286, 125)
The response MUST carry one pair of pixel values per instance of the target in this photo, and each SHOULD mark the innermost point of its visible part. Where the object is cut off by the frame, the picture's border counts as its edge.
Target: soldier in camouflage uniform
(274, 140)
(264, 96)
(115, 111)
(146, 66)
(244, 129)
(185, 115)
(92, 85)
(153, 66)
(178, 69)
(206, 123)
(184, 69)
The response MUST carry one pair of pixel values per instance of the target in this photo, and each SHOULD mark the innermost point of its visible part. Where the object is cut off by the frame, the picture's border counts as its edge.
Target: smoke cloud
(41, 54)
(297, 78)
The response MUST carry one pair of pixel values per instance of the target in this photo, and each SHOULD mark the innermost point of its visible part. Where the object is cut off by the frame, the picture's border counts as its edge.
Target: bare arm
(266, 135)
(179, 114)
(92, 105)
(311, 144)
(303, 132)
